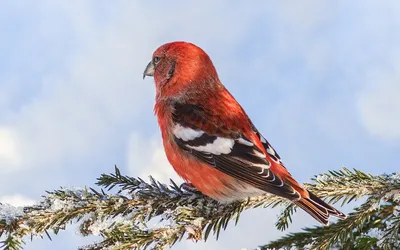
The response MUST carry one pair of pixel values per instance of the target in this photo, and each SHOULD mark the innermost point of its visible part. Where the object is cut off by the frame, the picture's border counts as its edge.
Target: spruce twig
(121, 215)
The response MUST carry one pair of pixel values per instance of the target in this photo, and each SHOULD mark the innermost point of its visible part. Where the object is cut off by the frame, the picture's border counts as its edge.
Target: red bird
(209, 139)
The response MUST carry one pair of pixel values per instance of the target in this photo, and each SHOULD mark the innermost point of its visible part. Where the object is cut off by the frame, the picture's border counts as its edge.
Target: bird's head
(181, 69)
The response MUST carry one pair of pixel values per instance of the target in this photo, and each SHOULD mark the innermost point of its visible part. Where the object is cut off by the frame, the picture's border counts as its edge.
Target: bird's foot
(188, 187)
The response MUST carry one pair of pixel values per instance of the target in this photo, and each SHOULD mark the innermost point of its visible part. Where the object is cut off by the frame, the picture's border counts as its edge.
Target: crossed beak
(149, 71)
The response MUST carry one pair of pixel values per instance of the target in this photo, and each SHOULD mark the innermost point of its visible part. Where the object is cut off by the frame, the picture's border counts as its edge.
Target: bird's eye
(156, 59)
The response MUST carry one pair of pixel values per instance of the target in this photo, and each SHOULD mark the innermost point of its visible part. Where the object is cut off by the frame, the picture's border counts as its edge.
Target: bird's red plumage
(184, 74)
(205, 178)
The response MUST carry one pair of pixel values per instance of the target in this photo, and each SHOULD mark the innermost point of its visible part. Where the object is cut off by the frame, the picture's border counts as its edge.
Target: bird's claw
(188, 187)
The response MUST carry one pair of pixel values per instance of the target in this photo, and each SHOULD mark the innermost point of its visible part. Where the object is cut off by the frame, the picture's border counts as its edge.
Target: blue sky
(320, 80)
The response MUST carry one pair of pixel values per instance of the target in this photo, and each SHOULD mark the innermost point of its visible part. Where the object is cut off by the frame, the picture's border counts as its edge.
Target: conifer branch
(380, 213)
(123, 215)
(121, 219)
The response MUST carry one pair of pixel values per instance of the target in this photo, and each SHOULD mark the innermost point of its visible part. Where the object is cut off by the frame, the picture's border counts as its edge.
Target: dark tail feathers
(319, 209)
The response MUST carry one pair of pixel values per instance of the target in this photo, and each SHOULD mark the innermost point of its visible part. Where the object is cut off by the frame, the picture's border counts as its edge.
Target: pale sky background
(320, 80)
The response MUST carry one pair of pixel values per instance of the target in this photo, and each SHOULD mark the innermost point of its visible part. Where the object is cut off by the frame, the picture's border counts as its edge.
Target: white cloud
(17, 200)
(81, 107)
(10, 157)
(379, 103)
(146, 157)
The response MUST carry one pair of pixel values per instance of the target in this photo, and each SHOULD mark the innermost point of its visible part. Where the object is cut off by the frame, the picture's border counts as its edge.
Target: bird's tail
(318, 208)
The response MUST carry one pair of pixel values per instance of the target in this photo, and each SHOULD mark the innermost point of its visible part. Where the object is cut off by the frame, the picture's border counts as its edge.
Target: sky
(319, 79)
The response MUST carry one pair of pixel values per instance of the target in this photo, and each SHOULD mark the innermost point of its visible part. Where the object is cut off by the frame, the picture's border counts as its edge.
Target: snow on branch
(123, 215)
(375, 224)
